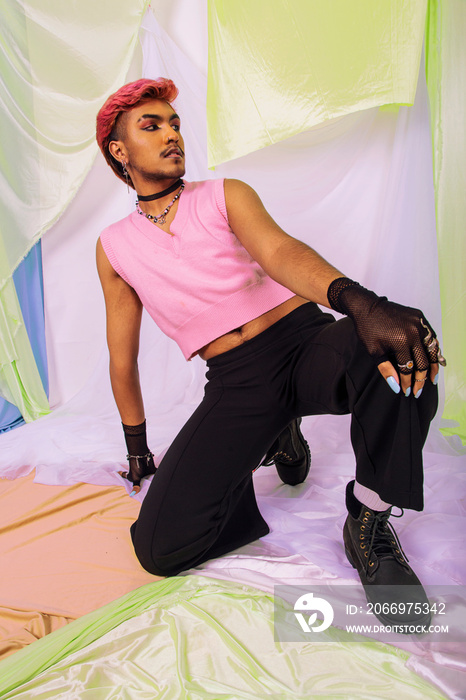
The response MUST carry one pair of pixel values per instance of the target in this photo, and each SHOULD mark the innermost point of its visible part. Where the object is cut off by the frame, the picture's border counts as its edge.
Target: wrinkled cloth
(199, 639)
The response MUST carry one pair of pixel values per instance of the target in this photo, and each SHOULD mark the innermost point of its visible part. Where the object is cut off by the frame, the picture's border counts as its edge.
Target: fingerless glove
(387, 330)
(140, 458)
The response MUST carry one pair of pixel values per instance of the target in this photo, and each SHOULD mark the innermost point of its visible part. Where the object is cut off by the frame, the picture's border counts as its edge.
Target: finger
(390, 375)
(434, 353)
(432, 349)
(419, 382)
(434, 373)
(406, 383)
(405, 370)
(426, 356)
(136, 488)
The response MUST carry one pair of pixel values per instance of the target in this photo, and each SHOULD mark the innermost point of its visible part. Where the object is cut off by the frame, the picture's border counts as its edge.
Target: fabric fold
(58, 63)
(198, 638)
(278, 69)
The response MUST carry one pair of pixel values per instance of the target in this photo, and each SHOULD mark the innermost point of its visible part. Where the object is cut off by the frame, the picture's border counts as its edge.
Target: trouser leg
(388, 430)
(201, 502)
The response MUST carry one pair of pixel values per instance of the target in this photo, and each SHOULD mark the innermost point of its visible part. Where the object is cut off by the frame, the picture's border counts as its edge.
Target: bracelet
(146, 456)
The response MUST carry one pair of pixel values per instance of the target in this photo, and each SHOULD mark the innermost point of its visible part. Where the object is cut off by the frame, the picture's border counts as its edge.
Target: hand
(402, 334)
(399, 338)
(139, 467)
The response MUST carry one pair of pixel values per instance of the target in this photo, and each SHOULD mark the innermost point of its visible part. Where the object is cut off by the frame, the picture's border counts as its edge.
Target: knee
(163, 555)
(165, 565)
(160, 565)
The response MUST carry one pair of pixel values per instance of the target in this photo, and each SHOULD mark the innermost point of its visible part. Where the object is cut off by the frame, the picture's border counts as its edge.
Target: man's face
(151, 143)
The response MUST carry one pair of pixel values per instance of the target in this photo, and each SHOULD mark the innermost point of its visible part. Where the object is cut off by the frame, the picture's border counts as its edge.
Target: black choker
(158, 195)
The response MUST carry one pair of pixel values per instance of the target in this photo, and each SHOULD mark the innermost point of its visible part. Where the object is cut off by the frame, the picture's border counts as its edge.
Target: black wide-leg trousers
(201, 502)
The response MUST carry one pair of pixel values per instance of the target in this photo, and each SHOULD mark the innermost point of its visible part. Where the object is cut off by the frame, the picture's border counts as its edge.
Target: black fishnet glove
(389, 331)
(140, 458)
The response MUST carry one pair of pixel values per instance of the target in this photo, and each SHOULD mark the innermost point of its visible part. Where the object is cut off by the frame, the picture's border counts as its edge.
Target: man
(220, 277)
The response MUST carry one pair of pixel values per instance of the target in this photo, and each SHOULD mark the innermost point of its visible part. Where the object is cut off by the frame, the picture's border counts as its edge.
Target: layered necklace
(161, 218)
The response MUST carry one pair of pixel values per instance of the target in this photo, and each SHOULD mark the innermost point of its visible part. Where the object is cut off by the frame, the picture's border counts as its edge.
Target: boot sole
(389, 622)
(292, 476)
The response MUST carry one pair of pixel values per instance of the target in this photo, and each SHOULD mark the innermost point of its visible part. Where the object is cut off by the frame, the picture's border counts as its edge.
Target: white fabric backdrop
(58, 62)
(359, 189)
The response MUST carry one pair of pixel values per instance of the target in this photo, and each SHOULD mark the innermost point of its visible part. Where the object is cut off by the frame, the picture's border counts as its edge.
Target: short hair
(123, 100)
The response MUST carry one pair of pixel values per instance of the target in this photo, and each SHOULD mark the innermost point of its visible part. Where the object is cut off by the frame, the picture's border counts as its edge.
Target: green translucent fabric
(58, 62)
(446, 80)
(278, 67)
(197, 638)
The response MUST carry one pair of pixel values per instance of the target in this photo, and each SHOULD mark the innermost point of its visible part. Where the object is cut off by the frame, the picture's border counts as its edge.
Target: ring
(409, 365)
(429, 342)
(427, 339)
(440, 358)
(420, 380)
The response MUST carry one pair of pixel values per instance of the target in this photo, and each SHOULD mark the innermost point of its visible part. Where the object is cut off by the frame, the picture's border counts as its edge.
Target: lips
(173, 153)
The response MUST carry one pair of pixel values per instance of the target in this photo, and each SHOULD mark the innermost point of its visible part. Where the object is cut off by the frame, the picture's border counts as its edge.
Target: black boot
(390, 584)
(291, 455)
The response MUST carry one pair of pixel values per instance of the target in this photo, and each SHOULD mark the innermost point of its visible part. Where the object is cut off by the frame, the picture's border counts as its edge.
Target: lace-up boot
(290, 454)
(390, 584)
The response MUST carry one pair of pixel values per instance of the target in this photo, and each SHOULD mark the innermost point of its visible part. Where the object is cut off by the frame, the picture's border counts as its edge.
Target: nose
(171, 134)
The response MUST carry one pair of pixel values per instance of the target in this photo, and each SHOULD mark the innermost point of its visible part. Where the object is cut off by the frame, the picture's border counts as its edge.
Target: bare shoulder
(237, 191)
(119, 296)
(243, 202)
(251, 222)
(103, 263)
(244, 206)
(105, 269)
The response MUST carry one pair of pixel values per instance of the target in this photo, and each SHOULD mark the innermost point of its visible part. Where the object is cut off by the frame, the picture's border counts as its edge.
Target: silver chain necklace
(161, 218)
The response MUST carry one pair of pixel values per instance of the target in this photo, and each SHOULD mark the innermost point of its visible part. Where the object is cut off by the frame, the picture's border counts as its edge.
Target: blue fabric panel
(30, 290)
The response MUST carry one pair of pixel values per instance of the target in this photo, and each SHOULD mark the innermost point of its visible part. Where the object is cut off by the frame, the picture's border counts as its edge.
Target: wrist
(350, 298)
(136, 439)
(335, 293)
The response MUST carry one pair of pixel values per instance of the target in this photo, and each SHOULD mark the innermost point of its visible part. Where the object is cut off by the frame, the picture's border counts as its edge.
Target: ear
(117, 150)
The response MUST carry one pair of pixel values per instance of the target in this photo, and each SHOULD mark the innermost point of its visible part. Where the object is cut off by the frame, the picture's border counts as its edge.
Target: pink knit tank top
(199, 283)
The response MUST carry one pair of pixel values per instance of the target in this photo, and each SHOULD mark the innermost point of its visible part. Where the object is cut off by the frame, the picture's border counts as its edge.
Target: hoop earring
(125, 173)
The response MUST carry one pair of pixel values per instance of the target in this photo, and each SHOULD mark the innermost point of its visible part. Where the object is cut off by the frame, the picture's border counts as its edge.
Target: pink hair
(123, 100)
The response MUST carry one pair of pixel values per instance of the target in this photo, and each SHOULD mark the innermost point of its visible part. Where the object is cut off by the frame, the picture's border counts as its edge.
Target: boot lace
(383, 539)
(279, 455)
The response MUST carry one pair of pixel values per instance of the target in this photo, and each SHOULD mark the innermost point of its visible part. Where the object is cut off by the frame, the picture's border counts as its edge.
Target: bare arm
(124, 311)
(288, 261)
(398, 331)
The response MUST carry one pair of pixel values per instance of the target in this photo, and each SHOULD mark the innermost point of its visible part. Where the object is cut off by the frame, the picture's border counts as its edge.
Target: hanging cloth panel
(58, 63)
(446, 78)
(30, 292)
(279, 67)
(20, 381)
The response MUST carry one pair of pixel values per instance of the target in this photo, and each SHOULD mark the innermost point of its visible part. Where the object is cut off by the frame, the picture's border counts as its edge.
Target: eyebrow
(158, 117)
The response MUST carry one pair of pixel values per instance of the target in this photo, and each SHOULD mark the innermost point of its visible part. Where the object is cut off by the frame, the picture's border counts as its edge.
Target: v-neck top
(198, 283)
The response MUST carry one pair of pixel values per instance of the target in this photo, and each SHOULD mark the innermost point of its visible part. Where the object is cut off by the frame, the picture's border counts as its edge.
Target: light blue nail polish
(416, 396)
(436, 378)
(408, 391)
(393, 384)
(133, 493)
